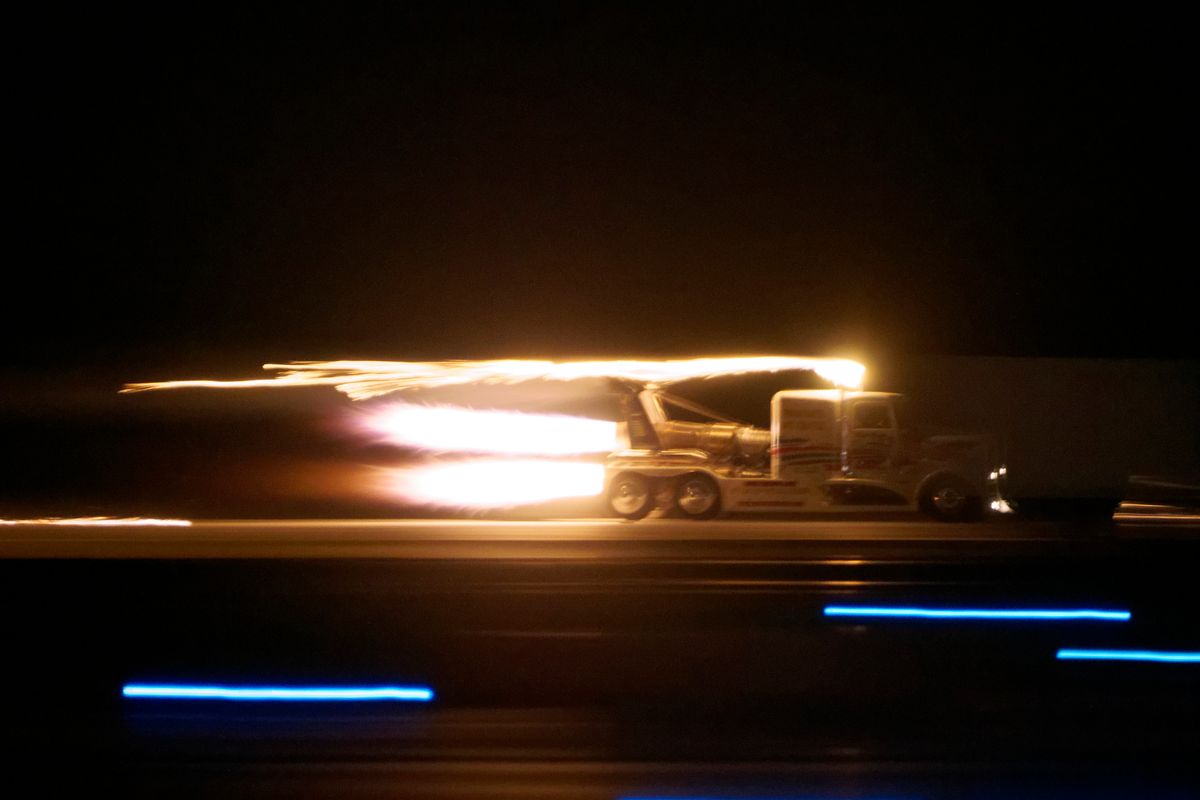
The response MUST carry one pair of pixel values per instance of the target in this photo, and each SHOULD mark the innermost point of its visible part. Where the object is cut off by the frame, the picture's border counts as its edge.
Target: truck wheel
(950, 499)
(630, 495)
(697, 496)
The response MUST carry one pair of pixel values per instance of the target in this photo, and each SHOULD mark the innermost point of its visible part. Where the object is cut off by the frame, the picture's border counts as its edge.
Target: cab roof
(833, 395)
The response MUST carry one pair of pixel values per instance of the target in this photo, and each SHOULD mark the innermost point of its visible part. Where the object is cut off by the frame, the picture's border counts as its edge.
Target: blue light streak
(1160, 656)
(743, 797)
(411, 694)
(977, 613)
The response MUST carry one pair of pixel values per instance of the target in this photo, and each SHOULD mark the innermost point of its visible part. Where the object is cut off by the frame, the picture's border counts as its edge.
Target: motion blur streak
(465, 430)
(494, 483)
(101, 522)
(419, 694)
(1129, 655)
(363, 379)
(975, 613)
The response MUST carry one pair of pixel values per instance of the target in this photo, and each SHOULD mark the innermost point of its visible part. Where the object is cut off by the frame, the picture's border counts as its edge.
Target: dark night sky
(212, 189)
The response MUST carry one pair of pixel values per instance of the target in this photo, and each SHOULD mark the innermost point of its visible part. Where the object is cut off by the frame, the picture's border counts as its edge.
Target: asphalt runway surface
(593, 658)
(466, 538)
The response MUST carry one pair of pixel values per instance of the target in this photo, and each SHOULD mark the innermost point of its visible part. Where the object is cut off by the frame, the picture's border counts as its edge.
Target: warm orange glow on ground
(453, 429)
(493, 483)
(364, 379)
(104, 522)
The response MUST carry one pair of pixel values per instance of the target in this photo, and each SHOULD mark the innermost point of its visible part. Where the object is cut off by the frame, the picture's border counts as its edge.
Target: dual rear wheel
(694, 495)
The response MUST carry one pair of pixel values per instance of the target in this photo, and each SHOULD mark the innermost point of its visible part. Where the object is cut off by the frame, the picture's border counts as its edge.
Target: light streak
(1159, 656)
(493, 483)
(977, 613)
(1155, 512)
(464, 430)
(413, 694)
(744, 797)
(102, 522)
(364, 379)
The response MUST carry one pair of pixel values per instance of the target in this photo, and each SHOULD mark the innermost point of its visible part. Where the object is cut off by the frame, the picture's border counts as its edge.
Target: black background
(198, 190)
(201, 191)
(215, 188)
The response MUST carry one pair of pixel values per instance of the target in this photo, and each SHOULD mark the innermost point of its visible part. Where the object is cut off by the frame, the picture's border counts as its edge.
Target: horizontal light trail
(1160, 656)
(364, 379)
(102, 522)
(977, 613)
(736, 797)
(412, 694)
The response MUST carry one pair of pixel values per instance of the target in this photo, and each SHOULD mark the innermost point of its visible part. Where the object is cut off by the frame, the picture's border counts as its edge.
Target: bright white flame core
(494, 483)
(363, 379)
(466, 430)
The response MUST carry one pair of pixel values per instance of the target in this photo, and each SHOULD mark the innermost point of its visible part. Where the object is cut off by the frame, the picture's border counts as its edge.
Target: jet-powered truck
(837, 449)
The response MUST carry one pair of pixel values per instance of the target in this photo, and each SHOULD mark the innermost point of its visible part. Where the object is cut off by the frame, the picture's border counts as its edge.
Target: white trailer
(827, 450)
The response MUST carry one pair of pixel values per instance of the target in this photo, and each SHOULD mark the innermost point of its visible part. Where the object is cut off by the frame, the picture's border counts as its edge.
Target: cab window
(872, 416)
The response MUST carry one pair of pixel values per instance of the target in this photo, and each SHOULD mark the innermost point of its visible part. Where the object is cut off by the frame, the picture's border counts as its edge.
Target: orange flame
(364, 379)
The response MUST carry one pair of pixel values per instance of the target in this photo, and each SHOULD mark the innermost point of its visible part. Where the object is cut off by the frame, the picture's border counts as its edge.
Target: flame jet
(452, 429)
(534, 443)
(492, 482)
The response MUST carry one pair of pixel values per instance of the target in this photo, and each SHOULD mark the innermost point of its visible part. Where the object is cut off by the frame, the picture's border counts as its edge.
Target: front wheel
(697, 496)
(950, 499)
(630, 495)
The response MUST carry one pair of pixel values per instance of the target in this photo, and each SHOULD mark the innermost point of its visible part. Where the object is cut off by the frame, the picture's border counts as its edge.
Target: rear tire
(630, 495)
(951, 499)
(697, 496)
